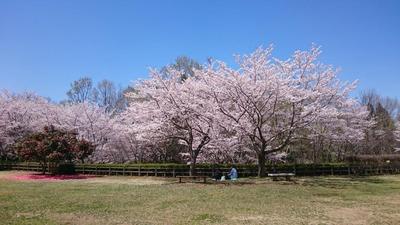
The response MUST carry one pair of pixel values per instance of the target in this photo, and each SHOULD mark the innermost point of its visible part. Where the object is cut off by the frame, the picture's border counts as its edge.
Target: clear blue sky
(45, 45)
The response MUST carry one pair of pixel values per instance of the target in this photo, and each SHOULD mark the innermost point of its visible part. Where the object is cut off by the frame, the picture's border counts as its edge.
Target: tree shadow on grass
(343, 182)
(240, 182)
(334, 182)
(215, 182)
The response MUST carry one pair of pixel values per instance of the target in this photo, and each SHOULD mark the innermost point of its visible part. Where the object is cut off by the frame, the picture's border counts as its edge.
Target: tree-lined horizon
(262, 110)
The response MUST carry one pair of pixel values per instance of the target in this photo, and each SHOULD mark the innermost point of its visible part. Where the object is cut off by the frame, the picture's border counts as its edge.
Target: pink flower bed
(48, 177)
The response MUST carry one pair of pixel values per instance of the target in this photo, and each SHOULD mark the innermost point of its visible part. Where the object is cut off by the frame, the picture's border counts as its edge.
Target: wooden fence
(243, 170)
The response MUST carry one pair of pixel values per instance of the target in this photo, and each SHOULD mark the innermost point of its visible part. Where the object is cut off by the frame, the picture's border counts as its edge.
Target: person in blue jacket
(233, 174)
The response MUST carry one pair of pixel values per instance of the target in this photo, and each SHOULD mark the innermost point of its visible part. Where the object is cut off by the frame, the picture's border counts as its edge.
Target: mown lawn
(141, 200)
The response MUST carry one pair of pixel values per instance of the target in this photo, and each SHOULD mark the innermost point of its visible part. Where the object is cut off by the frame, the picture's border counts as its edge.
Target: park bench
(275, 176)
(204, 178)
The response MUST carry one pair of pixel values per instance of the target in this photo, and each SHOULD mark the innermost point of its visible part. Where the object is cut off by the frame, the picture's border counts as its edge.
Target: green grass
(141, 200)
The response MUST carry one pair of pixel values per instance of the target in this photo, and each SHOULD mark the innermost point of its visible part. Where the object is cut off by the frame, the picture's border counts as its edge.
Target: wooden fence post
(313, 169)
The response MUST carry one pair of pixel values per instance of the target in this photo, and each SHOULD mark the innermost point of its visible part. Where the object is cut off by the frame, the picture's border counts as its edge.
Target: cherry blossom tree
(21, 114)
(122, 144)
(339, 134)
(397, 135)
(267, 101)
(91, 122)
(165, 107)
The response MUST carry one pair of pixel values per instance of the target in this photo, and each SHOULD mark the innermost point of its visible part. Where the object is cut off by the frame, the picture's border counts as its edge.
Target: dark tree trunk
(192, 171)
(193, 160)
(261, 164)
(44, 165)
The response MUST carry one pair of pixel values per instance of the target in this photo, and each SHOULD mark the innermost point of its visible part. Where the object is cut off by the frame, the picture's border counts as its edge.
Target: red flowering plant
(52, 147)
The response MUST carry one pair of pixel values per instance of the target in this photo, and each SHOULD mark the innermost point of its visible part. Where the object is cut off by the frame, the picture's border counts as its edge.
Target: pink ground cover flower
(49, 177)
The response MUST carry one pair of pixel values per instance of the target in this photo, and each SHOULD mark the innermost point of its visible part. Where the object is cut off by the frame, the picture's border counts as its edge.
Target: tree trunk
(261, 164)
(192, 171)
(44, 165)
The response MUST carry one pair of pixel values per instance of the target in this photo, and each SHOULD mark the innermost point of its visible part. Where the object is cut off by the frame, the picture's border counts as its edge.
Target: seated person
(233, 174)
(218, 174)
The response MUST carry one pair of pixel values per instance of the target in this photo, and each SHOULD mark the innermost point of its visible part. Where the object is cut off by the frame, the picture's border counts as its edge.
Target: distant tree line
(104, 94)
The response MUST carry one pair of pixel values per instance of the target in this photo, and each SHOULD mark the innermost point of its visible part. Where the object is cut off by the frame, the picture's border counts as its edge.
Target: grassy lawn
(141, 200)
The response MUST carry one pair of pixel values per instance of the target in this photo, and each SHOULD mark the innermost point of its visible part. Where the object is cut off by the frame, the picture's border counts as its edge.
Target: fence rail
(244, 171)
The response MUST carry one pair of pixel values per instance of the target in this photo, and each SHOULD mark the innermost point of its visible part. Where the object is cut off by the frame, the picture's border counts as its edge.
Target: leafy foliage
(52, 146)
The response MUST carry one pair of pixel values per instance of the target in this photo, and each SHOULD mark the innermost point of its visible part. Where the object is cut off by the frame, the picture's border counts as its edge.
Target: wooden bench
(275, 176)
(192, 177)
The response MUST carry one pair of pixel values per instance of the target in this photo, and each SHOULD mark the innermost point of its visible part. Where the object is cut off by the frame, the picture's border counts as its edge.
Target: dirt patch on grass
(251, 219)
(395, 200)
(27, 215)
(77, 219)
(275, 219)
(354, 216)
(131, 180)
